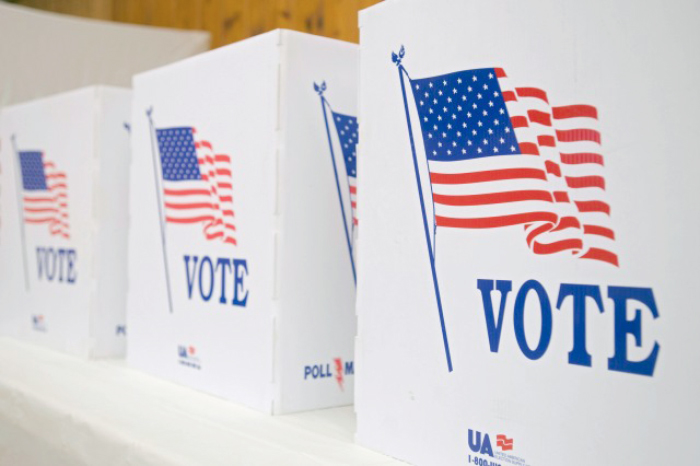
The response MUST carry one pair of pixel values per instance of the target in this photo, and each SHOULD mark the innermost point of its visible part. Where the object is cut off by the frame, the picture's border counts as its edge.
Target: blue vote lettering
(56, 265)
(580, 296)
(213, 277)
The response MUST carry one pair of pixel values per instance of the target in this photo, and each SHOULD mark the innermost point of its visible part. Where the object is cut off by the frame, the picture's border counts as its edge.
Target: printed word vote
(629, 305)
(214, 276)
(56, 265)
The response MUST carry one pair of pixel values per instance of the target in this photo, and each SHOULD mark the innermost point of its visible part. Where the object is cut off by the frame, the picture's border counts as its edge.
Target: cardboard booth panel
(315, 286)
(241, 281)
(64, 183)
(528, 220)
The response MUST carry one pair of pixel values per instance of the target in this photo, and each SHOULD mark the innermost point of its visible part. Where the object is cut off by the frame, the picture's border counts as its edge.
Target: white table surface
(57, 409)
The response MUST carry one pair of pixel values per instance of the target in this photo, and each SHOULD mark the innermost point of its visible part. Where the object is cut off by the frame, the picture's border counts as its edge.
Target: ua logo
(480, 445)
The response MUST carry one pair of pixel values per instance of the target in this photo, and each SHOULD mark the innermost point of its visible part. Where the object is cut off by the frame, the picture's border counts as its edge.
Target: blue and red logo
(187, 356)
(39, 323)
(480, 443)
(338, 370)
(482, 453)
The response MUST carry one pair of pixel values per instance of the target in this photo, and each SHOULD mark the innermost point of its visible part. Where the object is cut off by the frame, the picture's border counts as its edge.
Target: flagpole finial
(320, 89)
(149, 111)
(396, 58)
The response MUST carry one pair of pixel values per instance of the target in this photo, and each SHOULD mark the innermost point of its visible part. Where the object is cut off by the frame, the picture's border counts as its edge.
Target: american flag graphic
(44, 193)
(502, 156)
(347, 134)
(197, 183)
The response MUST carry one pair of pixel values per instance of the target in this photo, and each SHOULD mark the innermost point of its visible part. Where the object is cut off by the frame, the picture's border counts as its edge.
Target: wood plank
(227, 20)
(211, 16)
(341, 19)
(233, 15)
(101, 9)
(301, 15)
(261, 16)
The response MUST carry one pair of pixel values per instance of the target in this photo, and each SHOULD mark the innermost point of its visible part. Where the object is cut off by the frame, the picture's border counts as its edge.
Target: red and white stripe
(566, 234)
(352, 182)
(569, 140)
(51, 206)
(582, 166)
(208, 200)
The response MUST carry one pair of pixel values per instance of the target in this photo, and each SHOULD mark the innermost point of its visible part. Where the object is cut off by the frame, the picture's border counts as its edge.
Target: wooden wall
(227, 20)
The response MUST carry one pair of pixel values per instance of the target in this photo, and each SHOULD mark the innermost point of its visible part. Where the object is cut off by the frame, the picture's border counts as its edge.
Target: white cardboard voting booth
(529, 213)
(241, 222)
(63, 220)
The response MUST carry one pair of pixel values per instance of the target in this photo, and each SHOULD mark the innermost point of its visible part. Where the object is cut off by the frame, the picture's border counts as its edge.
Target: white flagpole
(161, 217)
(20, 210)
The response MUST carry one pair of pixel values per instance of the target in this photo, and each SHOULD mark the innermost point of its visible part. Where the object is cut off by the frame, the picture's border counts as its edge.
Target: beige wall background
(227, 20)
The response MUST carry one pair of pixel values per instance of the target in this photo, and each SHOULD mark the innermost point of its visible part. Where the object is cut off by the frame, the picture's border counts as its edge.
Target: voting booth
(63, 214)
(242, 214)
(529, 213)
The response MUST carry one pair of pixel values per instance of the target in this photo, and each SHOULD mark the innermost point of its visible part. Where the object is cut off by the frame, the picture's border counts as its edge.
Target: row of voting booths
(499, 273)
(207, 216)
